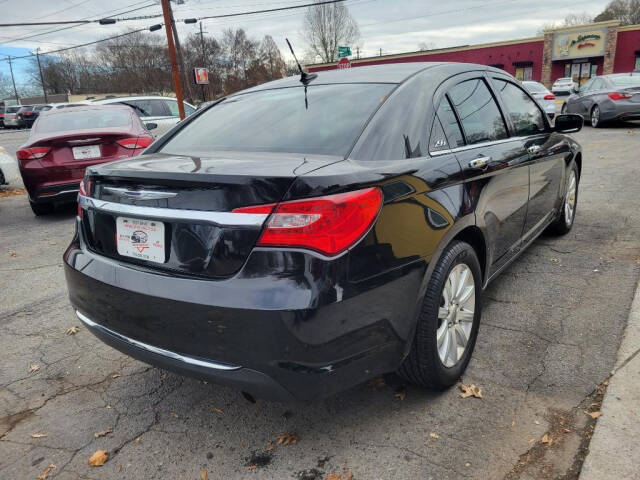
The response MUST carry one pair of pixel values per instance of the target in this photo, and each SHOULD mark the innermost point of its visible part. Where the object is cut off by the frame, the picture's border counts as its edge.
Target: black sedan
(607, 98)
(301, 238)
(27, 115)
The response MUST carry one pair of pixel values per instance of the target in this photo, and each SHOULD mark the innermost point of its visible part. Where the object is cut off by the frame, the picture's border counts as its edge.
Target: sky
(395, 26)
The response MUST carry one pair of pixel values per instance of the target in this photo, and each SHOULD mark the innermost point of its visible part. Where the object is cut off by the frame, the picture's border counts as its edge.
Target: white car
(564, 86)
(57, 106)
(544, 97)
(161, 111)
(8, 168)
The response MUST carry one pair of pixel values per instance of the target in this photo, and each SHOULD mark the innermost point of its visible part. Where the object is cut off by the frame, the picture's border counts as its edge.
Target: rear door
(493, 164)
(527, 122)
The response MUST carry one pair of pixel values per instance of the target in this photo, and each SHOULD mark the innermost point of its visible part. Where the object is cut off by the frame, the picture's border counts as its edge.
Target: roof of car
(83, 108)
(386, 73)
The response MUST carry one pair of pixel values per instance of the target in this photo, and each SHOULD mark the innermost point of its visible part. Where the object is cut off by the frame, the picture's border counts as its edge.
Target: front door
(494, 166)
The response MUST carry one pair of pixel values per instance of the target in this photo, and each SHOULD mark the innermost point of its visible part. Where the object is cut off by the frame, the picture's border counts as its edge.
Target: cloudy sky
(394, 26)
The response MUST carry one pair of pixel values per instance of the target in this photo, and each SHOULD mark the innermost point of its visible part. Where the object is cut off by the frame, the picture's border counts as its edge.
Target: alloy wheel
(455, 315)
(595, 116)
(570, 198)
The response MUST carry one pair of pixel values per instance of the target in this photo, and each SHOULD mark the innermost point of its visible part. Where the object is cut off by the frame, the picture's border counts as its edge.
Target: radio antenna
(305, 77)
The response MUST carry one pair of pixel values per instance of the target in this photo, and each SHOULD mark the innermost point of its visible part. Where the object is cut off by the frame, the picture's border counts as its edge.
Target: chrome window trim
(223, 219)
(477, 145)
(158, 351)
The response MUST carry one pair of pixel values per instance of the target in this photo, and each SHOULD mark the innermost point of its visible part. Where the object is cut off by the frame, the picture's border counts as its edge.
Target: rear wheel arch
(474, 237)
(578, 160)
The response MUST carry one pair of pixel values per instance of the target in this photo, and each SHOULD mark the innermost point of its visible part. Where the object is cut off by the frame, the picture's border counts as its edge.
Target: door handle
(533, 149)
(480, 162)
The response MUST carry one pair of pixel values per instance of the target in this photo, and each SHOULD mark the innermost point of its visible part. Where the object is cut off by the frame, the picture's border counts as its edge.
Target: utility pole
(380, 52)
(44, 90)
(166, 11)
(183, 71)
(13, 80)
(204, 59)
(357, 53)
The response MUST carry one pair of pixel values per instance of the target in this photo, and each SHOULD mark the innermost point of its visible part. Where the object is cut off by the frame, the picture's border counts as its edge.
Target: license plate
(87, 151)
(141, 239)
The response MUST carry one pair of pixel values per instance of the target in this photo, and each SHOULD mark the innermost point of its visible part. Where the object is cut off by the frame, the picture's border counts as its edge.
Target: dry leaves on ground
(45, 472)
(13, 253)
(12, 192)
(72, 331)
(285, 439)
(340, 476)
(546, 439)
(594, 415)
(99, 458)
(253, 466)
(38, 435)
(104, 433)
(218, 410)
(555, 260)
(175, 415)
(434, 435)
(203, 474)
(470, 391)
(34, 367)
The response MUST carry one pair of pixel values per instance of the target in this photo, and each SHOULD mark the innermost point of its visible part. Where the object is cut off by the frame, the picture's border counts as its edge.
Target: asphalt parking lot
(550, 330)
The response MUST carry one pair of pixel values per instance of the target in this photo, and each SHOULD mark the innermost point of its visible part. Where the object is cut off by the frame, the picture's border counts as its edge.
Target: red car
(62, 143)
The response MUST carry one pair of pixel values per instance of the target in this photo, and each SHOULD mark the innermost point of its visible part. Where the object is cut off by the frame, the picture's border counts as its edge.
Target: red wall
(557, 68)
(628, 43)
(504, 54)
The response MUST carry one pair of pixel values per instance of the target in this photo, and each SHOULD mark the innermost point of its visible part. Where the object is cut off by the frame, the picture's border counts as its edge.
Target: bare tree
(569, 21)
(422, 46)
(326, 27)
(627, 11)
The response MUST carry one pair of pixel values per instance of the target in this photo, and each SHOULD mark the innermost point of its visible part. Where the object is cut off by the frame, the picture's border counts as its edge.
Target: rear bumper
(620, 111)
(295, 333)
(57, 193)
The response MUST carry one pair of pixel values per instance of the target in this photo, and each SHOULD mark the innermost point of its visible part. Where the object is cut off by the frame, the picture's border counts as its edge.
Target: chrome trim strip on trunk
(158, 351)
(222, 219)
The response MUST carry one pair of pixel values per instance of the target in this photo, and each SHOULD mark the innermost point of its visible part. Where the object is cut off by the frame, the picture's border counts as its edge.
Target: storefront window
(637, 67)
(524, 74)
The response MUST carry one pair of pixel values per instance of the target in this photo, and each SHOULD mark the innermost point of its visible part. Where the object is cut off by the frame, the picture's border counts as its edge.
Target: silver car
(544, 97)
(11, 116)
(607, 98)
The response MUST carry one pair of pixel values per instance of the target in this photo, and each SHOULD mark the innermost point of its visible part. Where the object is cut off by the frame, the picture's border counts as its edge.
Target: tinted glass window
(587, 86)
(597, 84)
(535, 87)
(12, 109)
(148, 108)
(83, 120)
(26, 109)
(478, 112)
(626, 80)
(173, 108)
(279, 121)
(524, 113)
(438, 141)
(450, 124)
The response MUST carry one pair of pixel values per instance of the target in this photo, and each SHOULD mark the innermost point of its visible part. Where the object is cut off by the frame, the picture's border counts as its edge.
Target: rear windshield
(535, 87)
(626, 80)
(27, 109)
(12, 109)
(83, 120)
(280, 120)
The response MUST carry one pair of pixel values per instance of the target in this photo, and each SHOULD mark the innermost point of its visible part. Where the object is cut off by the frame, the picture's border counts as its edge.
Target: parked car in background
(607, 98)
(8, 168)
(28, 114)
(2, 116)
(62, 143)
(11, 116)
(162, 111)
(563, 87)
(297, 239)
(57, 106)
(543, 96)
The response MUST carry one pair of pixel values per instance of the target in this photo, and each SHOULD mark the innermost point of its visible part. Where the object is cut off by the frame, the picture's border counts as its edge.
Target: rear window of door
(525, 115)
(173, 108)
(449, 123)
(478, 112)
(149, 108)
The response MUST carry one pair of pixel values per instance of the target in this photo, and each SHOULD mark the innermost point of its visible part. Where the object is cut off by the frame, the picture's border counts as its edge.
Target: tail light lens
(328, 225)
(32, 153)
(137, 142)
(549, 96)
(85, 191)
(619, 96)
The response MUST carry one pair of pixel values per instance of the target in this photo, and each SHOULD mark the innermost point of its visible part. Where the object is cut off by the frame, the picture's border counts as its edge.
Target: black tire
(595, 123)
(41, 208)
(563, 225)
(423, 366)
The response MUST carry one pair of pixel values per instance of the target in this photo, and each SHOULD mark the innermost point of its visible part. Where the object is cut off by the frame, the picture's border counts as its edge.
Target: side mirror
(151, 126)
(568, 123)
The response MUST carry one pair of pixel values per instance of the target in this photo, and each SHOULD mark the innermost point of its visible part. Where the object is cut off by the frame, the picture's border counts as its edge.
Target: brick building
(580, 52)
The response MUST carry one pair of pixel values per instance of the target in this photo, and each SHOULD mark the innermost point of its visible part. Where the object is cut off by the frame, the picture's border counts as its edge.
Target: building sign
(201, 76)
(579, 44)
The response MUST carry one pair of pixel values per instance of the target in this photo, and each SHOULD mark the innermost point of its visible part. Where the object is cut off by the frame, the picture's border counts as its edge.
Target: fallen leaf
(203, 474)
(513, 423)
(103, 433)
(340, 476)
(11, 192)
(253, 466)
(38, 435)
(470, 391)
(13, 254)
(595, 415)
(73, 330)
(98, 458)
(285, 439)
(34, 368)
(270, 446)
(531, 440)
(218, 410)
(137, 440)
(400, 395)
(546, 439)
(175, 415)
(119, 468)
(434, 435)
(115, 375)
(555, 260)
(52, 243)
(45, 472)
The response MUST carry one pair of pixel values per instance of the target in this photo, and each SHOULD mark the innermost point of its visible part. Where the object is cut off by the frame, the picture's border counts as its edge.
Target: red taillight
(328, 225)
(32, 153)
(85, 191)
(136, 142)
(549, 96)
(26, 114)
(619, 96)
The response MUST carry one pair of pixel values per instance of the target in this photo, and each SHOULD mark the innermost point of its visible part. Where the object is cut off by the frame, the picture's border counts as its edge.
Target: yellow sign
(579, 44)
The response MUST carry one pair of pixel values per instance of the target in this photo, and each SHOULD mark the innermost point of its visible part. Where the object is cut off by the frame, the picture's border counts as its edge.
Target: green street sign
(344, 52)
